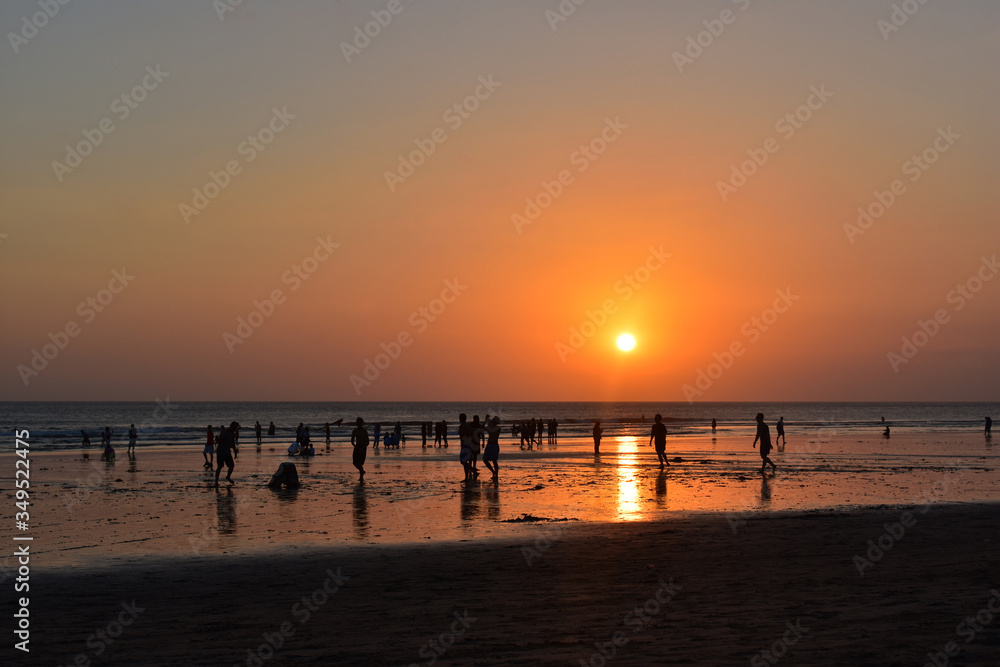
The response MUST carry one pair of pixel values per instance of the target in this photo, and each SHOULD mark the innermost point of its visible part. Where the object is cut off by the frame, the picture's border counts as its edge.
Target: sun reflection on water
(629, 498)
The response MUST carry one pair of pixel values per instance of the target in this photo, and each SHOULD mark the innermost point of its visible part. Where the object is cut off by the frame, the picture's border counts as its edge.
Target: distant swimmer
(781, 431)
(271, 429)
(885, 433)
(257, 432)
(359, 440)
(492, 452)
(659, 435)
(226, 451)
(764, 435)
(597, 436)
(209, 448)
(133, 435)
(989, 426)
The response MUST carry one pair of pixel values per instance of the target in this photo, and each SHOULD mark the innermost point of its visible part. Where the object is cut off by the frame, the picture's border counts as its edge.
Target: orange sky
(670, 137)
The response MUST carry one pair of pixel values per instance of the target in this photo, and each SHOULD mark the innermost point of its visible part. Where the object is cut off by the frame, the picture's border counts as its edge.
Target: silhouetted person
(444, 432)
(86, 438)
(133, 435)
(397, 433)
(885, 433)
(327, 429)
(465, 442)
(376, 431)
(257, 432)
(658, 436)
(423, 434)
(597, 436)
(298, 433)
(883, 420)
(713, 425)
(209, 448)
(477, 437)
(492, 452)
(270, 429)
(540, 430)
(781, 431)
(764, 435)
(989, 425)
(226, 451)
(106, 436)
(359, 440)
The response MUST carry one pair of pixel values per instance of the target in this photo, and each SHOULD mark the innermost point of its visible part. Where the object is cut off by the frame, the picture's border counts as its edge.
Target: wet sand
(708, 594)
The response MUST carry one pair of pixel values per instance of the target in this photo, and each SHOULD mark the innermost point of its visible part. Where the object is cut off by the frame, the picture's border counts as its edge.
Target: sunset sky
(663, 122)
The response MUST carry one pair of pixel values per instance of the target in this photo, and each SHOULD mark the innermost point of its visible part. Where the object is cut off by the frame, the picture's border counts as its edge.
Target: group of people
(531, 431)
(108, 452)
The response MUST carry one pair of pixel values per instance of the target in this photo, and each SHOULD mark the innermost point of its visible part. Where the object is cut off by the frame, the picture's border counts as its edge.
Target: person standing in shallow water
(257, 432)
(764, 435)
(781, 431)
(225, 451)
(359, 440)
(659, 435)
(597, 436)
(209, 448)
(492, 452)
(133, 435)
(989, 425)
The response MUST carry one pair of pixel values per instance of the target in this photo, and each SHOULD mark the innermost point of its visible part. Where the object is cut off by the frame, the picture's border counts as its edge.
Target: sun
(626, 342)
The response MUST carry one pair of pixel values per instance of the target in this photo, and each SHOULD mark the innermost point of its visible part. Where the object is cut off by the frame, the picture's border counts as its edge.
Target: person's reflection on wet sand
(359, 510)
(661, 488)
(493, 500)
(225, 508)
(471, 497)
(765, 490)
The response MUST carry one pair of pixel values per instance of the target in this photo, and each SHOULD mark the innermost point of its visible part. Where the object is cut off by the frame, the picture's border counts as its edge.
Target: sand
(415, 567)
(726, 590)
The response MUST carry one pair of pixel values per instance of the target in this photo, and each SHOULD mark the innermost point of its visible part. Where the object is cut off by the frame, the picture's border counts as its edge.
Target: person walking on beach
(492, 452)
(781, 431)
(377, 430)
(658, 435)
(209, 449)
(597, 436)
(86, 438)
(359, 440)
(133, 435)
(764, 435)
(257, 432)
(226, 451)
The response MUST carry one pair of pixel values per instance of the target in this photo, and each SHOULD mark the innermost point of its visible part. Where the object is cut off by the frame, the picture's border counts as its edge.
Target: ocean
(57, 425)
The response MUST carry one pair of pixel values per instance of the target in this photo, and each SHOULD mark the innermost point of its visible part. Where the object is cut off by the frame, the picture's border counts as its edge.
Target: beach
(707, 594)
(843, 556)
